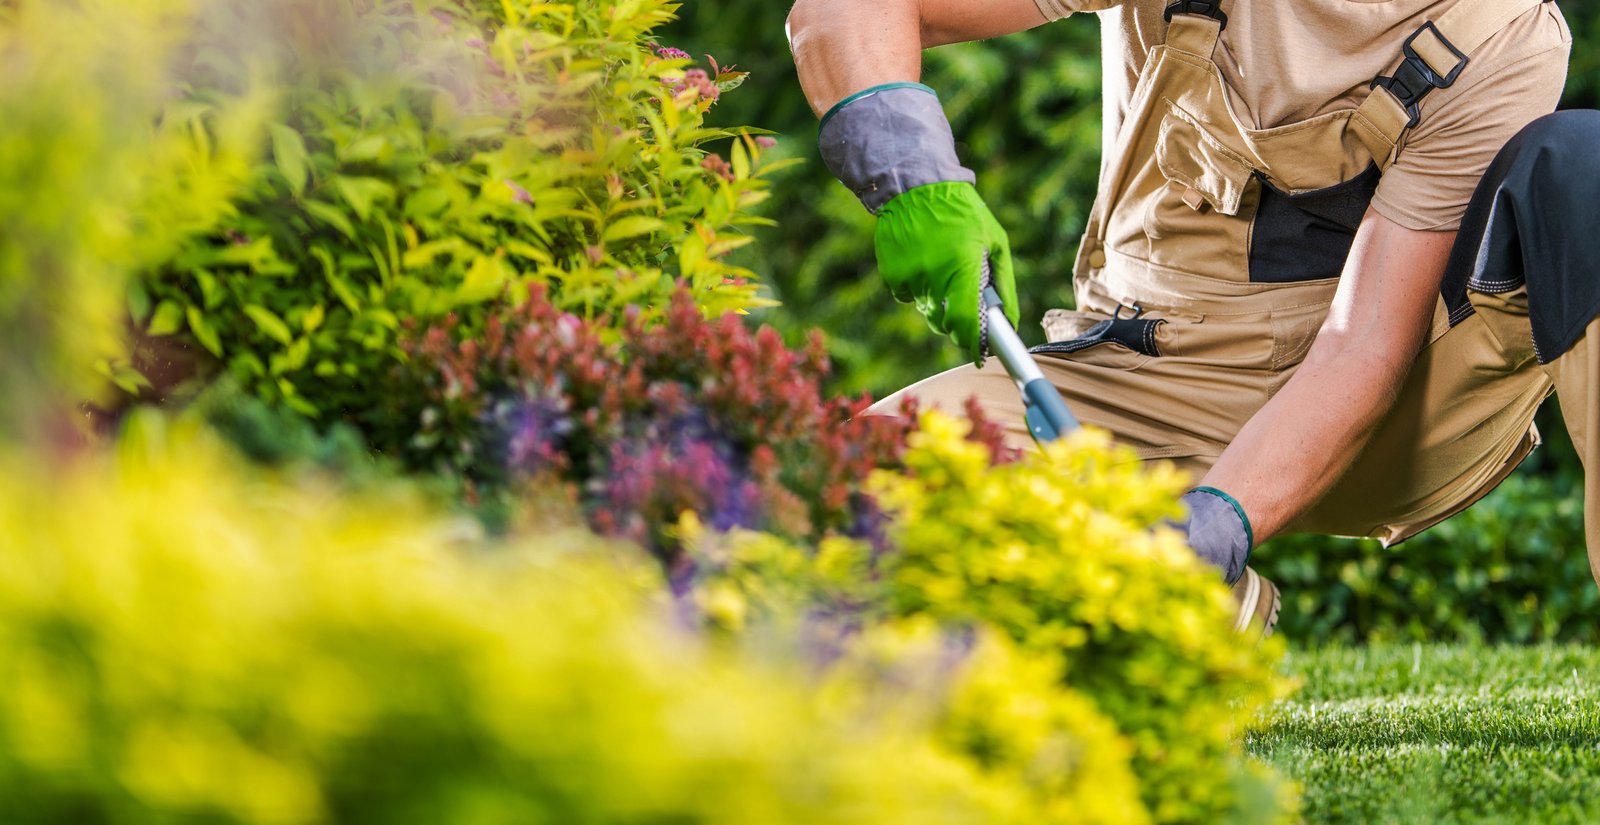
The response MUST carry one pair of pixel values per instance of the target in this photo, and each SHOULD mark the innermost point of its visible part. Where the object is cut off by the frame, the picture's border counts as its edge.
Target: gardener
(1340, 253)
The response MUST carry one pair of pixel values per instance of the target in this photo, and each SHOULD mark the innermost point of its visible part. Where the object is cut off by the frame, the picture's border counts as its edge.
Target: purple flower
(519, 194)
(766, 142)
(536, 432)
(669, 53)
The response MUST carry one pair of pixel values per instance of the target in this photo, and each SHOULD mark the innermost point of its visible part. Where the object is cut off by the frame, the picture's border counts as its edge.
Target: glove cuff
(1219, 531)
(887, 139)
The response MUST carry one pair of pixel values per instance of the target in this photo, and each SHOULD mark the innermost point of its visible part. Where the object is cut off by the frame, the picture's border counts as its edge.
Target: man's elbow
(795, 24)
(808, 19)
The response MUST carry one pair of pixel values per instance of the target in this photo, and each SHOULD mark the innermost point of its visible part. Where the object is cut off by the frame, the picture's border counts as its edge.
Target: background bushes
(1026, 115)
(427, 158)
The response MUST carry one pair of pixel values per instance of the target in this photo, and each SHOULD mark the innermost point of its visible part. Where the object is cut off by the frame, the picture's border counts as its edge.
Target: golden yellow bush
(1064, 558)
(180, 642)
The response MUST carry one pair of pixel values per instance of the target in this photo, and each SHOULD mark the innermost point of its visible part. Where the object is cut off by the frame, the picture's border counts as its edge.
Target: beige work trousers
(1462, 423)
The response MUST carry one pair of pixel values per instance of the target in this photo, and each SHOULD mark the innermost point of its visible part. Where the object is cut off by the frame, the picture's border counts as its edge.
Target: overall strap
(1194, 31)
(1434, 57)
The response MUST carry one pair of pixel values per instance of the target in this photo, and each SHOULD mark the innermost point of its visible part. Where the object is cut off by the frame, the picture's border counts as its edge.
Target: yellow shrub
(179, 643)
(1063, 557)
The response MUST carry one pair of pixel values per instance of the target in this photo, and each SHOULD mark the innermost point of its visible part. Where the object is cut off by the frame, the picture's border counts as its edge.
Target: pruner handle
(1047, 413)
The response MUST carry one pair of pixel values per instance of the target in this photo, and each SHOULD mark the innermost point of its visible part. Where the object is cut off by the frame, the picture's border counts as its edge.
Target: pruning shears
(1047, 414)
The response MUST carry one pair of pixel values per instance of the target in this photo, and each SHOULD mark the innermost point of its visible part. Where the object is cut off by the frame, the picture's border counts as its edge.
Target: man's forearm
(1297, 446)
(843, 46)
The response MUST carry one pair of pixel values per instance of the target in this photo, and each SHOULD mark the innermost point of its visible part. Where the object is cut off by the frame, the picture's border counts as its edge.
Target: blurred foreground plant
(1056, 554)
(183, 643)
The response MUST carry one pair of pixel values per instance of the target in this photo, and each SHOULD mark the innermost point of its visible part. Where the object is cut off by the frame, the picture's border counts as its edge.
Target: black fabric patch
(1535, 219)
(1306, 237)
(1137, 334)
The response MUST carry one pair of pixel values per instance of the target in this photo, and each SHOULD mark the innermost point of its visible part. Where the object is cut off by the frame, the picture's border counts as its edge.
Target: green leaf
(741, 161)
(362, 193)
(138, 302)
(269, 323)
(211, 293)
(332, 216)
(289, 151)
(313, 319)
(427, 202)
(424, 254)
(632, 226)
(523, 249)
(204, 332)
(295, 358)
(368, 148)
(486, 279)
(167, 319)
(124, 376)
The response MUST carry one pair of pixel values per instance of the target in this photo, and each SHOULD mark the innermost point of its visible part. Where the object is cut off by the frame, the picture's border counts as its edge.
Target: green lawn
(1434, 733)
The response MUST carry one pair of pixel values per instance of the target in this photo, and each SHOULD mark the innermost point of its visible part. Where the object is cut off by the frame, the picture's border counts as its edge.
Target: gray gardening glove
(1218, 530)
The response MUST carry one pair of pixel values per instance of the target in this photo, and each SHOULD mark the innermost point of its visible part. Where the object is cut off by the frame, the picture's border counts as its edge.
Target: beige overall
(1189, 319)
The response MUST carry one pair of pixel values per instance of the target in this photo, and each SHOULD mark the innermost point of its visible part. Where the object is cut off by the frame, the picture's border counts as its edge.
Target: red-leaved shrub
(647, 422)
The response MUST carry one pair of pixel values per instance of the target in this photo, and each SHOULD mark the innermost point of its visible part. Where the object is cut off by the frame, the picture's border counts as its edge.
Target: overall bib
(1210, 261)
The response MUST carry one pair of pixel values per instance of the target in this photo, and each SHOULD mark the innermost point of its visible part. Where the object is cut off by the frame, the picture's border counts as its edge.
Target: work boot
(1258, 605)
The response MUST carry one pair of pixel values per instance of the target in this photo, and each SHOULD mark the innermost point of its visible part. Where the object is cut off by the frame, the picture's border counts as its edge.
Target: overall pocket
(1306, 236)
(1199, 218)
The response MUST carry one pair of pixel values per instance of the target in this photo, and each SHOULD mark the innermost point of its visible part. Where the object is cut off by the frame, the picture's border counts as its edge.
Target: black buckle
(1415, 78)
(1209, 8)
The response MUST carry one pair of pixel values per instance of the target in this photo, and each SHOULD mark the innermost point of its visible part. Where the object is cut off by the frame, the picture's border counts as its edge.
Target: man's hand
(932, 242)
(1218, 531)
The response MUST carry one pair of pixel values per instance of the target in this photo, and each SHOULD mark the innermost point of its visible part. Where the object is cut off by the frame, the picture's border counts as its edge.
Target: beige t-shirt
(1289, 60)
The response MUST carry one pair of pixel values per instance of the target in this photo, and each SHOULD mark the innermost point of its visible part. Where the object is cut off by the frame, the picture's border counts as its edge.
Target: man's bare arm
(843, 46)
(1293, 450)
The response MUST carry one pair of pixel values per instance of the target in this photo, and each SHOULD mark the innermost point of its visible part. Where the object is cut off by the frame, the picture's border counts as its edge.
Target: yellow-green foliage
(179, 643)
(999, 708)
(1061, 555)
(1058, 553)
(94, 181)
(430, 156)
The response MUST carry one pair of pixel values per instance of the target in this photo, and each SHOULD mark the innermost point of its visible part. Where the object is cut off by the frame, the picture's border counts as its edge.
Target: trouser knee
(1566, 137)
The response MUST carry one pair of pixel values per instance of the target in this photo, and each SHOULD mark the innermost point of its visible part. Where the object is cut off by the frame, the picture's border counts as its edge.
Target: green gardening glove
(932, 244)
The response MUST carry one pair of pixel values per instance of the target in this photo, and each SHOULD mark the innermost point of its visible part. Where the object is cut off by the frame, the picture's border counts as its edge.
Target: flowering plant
(690, 414)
